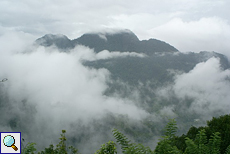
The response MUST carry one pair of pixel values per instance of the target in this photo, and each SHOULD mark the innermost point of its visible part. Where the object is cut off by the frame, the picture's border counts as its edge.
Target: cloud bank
(48, 90)
(206, 86)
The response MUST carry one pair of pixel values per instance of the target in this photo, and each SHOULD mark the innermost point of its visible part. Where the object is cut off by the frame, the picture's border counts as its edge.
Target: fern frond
(171, 128)
(227, 151)
(122, 140)
(191, 147)
(108, 148)
(138, 149)
(214, 143)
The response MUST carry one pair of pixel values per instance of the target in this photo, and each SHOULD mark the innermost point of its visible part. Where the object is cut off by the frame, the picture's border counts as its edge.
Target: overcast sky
(189, 25)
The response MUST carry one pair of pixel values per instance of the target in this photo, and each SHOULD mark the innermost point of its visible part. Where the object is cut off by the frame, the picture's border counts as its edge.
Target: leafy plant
(122, 140)
(108, 148)
(128, 147)
(29, 148)
(60, 147)
(171, 129)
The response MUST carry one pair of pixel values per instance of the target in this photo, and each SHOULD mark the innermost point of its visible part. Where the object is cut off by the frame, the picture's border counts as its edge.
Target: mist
(49, 90)
(207, 85)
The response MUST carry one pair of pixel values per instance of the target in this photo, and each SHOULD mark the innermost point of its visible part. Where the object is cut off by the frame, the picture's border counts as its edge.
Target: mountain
(155, 68)
(146, 74)
(121, 41)
(60, 41)
(129, 84)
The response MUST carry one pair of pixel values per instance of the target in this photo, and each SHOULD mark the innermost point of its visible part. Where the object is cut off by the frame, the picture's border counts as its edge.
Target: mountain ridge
(123, 41)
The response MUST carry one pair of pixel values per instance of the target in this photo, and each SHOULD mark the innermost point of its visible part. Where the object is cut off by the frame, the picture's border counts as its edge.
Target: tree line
(211, 139)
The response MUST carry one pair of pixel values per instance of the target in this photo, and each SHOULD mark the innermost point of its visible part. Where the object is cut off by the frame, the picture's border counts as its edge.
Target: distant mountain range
(161, 56)
(153, 71)
(121, 41)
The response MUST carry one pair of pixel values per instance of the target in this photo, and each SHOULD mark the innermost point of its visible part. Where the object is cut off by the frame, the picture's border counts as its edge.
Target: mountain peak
(121, 34)
(59, 40)
(112, 40)
(121, 40)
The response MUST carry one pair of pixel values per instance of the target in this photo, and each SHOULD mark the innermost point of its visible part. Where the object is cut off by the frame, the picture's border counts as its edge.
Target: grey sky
(189, 25)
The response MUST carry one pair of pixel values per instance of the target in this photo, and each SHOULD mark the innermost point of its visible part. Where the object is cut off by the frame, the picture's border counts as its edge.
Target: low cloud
(207, 85)
(48, 90)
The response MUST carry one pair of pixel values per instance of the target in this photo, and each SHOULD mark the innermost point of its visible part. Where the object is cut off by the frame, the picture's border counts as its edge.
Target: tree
(222, 125)
(60, 147)
(128, 147)
(29, 149)
(166, 144)
(108, 148)
(202, 140)
(171, 129)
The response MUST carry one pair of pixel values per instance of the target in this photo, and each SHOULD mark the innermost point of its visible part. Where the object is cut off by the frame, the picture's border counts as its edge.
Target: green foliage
(217, 142)
(222, 125)
(121, 139)
(60, 147)
(108, 148)
(201, 146)
(164, 146)
(193, 131)
(214, 143)
(202, 140)
(29, 149)
(128, 147)
(170, 129)
(138, 149)
(191, 147)
(49, 150)
(73, 150)
(227, 151)
(179, 142)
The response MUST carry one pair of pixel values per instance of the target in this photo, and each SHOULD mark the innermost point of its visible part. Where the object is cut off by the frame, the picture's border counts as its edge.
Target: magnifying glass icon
(9, 141)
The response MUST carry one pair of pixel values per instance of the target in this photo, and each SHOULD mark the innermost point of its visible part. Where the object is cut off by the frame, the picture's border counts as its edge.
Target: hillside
(105, 80)
(121, 41)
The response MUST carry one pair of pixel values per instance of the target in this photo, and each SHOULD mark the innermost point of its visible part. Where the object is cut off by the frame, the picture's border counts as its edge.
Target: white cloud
(57, 87)
(208, 86)
(74, 18)
(105, 54)
(55, 78)
(13, 41)
(206, 34)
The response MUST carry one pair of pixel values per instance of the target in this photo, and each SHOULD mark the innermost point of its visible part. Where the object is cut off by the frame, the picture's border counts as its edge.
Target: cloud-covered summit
(122, 40)
(59, 40)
